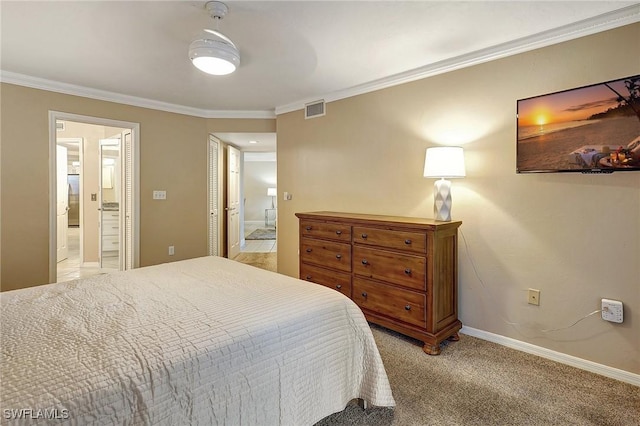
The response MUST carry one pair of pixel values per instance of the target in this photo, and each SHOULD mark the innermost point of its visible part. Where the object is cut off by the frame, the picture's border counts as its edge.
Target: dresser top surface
(361, 217)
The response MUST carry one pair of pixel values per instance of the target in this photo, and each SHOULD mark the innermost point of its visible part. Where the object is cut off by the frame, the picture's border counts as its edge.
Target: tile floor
(257, 246)
(69, 269)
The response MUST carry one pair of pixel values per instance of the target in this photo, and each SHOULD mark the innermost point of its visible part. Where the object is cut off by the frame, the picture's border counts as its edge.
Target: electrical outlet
(172, 250)
(534, 297)
(612, 310)
(159, 195)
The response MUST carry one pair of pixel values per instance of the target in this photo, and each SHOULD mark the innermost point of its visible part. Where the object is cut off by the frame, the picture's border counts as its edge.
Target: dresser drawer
(326, 253)
(340, 281)
(110, 243)
(402, 269)
(401, 240)
(110, 227)
(404, 305)
(328, 230)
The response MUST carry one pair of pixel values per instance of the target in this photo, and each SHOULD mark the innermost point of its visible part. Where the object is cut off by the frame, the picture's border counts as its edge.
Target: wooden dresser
(401, 271)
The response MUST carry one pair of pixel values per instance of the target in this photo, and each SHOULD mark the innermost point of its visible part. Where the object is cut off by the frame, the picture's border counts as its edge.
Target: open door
(62, 204)
(127, 202)
(110, 203)
(233, 202)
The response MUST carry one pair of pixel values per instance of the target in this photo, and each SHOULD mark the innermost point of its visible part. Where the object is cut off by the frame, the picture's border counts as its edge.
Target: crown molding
(604, 22)
(103, 95)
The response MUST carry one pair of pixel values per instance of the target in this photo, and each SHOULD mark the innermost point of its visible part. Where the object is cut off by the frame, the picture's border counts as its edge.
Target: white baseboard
(614, 373)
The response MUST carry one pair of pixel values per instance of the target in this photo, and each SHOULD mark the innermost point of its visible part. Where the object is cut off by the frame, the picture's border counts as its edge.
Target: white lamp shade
(214, 56)
(444, 162)
(271, 192)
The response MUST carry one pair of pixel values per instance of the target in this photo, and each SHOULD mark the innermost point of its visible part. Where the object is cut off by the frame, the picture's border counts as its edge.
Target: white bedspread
(203, 341)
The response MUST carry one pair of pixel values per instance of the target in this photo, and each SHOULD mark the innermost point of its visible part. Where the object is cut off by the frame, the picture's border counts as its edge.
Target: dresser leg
(431, 349)
(454, 337)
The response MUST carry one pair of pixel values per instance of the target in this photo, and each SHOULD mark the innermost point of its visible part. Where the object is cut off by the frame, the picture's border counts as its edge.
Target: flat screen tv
(590, 129)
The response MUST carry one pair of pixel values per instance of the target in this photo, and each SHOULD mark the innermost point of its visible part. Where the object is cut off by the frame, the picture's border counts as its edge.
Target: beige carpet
(475, 382)
(268, 261)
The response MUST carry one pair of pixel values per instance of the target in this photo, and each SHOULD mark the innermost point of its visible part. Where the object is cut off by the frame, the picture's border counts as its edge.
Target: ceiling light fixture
(216, 57)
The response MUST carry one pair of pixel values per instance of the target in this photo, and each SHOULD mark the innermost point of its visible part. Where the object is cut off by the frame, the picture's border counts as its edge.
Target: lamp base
(442, 200)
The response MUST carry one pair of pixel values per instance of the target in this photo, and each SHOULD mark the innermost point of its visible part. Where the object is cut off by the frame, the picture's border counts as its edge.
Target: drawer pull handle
(407, 271)
(365, 262)
(338, 256)
(407, 241)
(309, 250)
(407, 307)
(308, 228)
(339, 232)
(308, 277)
(364, 236)
(364, 294)
(339, 286)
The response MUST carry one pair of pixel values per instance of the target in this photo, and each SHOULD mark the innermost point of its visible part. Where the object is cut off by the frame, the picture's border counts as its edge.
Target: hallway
(257, 246)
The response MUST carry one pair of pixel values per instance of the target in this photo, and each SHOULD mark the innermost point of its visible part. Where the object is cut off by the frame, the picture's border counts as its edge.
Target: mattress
(203, 341)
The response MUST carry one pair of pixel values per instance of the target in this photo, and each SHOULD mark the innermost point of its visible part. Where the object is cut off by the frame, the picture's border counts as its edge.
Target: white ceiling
(254, 142)
(291, 52)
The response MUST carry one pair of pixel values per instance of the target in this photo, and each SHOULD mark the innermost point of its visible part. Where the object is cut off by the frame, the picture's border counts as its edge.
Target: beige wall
(575, 237)
(173, 157)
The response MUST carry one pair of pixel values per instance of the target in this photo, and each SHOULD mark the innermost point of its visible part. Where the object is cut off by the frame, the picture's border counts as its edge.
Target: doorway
(69, 203)
(108, 180)
(260, 202)
(257, 207)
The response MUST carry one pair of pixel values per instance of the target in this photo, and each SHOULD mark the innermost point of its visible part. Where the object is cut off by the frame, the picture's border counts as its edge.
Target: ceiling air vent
(314, 109)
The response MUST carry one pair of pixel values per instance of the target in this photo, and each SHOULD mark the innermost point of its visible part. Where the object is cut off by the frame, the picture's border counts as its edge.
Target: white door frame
(135, 130)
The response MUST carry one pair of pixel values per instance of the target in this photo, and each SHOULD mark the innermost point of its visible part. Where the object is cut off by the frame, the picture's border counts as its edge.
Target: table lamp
(443, 162)
(271, 192)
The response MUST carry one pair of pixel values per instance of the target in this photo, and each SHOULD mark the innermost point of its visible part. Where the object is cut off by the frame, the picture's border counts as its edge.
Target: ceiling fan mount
(216, 9)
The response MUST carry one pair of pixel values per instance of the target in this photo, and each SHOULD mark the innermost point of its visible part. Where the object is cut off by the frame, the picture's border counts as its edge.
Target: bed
(203, 341)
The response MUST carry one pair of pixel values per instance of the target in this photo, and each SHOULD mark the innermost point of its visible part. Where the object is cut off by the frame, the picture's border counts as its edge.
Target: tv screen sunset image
(588, 128)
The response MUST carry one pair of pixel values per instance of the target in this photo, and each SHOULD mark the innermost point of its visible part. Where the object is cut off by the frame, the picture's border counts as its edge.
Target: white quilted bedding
(203, 341)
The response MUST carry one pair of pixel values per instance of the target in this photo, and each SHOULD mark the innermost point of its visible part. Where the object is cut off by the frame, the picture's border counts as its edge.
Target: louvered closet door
(127, 229)
(214, 222)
